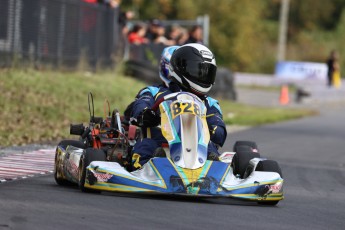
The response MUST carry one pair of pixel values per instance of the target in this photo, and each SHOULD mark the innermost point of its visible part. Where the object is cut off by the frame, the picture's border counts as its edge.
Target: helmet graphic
(193, 66)
(164, 72)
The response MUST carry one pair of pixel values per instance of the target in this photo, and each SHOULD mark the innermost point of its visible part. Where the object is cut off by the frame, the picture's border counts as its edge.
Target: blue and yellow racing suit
(146, 98)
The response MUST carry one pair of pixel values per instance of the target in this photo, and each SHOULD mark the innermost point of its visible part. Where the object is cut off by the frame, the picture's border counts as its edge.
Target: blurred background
(273, 53)
(244, 34)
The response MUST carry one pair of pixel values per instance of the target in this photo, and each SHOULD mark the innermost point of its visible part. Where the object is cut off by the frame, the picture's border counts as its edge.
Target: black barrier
(143, 62)
(57, 32)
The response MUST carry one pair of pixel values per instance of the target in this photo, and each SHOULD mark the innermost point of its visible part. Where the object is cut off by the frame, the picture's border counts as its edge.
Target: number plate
(179, 108)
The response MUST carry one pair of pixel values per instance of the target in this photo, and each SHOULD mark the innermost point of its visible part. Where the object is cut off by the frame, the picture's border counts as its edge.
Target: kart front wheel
(88, 156)
(64, 144)
(269, 166)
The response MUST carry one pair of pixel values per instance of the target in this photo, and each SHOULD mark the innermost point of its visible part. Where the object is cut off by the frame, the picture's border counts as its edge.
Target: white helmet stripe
(192, 84)
(198, 88)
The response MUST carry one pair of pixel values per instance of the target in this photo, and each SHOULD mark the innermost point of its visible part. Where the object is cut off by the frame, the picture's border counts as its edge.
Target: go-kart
(183, 169)
(104, 139)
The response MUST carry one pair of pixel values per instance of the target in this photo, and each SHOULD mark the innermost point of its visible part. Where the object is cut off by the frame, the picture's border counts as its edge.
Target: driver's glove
(148, 118)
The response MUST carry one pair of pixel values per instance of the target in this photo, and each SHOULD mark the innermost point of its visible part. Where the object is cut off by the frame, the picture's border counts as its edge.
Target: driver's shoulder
(151, 90)
(212, 103)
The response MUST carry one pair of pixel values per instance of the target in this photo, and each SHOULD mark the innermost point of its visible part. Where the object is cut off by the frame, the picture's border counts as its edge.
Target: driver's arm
(216, 124)
(144, 101)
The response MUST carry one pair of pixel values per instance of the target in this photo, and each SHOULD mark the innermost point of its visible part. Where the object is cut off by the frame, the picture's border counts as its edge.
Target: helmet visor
(201, 72)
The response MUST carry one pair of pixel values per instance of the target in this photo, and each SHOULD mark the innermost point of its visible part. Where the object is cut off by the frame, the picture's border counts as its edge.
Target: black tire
(241, 145)
(64, 145)
(89, 155)
(268, 203)
(240, 162)
(269, 166)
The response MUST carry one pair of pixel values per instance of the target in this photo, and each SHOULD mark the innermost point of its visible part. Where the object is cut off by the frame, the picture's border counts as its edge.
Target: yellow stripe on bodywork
(116, 187)
(271, 197)
(223, 178)
(253, 184)
(255, 195)
(158, 174)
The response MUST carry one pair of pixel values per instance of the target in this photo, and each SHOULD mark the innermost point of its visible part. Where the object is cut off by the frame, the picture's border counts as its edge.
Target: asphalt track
(310, 151)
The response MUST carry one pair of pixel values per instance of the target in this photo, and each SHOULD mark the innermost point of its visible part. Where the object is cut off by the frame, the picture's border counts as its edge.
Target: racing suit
(144, 149)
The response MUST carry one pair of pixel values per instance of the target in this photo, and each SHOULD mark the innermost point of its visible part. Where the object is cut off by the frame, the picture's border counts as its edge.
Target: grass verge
(239, 114)
(38, 106)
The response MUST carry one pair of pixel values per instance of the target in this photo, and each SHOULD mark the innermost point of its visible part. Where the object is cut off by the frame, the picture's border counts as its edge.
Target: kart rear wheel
(269, 166)
(88, 156)
(64, 144)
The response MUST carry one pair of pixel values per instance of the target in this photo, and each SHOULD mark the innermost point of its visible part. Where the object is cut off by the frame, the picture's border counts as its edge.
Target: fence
(58, 32)
(66, 33)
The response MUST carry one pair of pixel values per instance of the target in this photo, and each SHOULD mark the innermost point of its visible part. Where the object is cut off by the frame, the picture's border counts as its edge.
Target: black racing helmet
(193, 66)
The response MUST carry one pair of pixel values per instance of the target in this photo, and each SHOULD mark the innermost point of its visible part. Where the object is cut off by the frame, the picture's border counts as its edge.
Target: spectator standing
(159, 37)
(183, 37)
(152, 30)
(112, 3)
(30, 24)
(175, 32)
(123, 21)
(195, 35)
(109, 3)
(137, 35)
(333, 70)
(88, 29)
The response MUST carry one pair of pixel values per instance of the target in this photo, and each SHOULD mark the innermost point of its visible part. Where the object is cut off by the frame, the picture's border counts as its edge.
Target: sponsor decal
(72, 168)
(291, 70)
(206, 54)
(276, 188)
(266, 190)
(226, 158)
(102, 177)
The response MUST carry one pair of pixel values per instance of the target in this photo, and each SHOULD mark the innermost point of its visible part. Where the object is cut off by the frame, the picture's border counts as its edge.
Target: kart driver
(189, 68)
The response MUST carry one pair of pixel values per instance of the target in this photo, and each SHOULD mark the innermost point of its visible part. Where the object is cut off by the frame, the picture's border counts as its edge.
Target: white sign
(290, 70)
